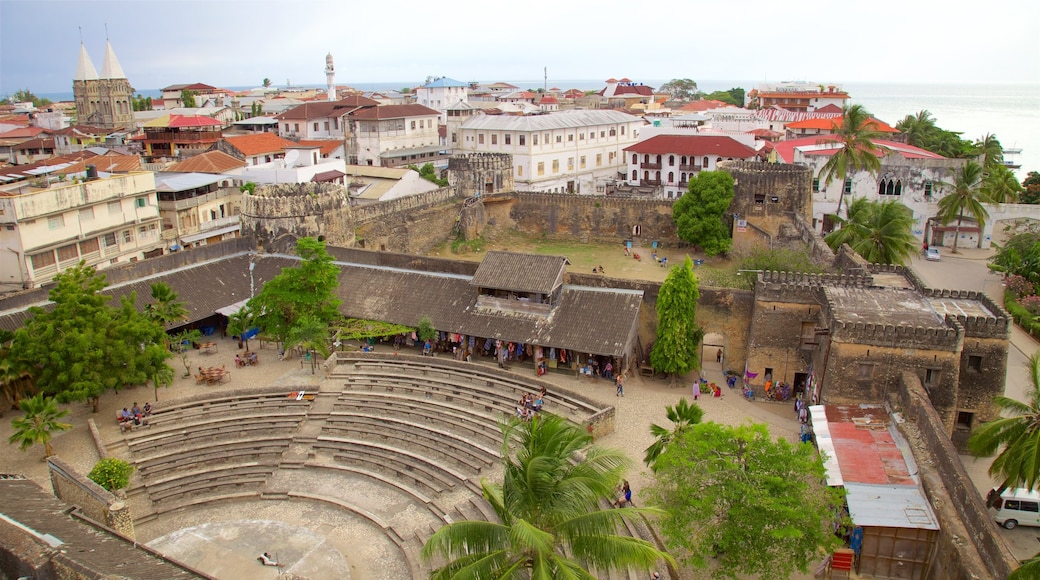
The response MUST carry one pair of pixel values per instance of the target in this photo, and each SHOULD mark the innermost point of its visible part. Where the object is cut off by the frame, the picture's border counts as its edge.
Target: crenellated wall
(594, 218)
(276, 215)
(411, 225)
(896, 336)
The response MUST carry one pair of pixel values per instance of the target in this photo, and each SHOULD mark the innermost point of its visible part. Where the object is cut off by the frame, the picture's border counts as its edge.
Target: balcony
(649, 182)
(689, 167)
(180, 137)
(649, 165)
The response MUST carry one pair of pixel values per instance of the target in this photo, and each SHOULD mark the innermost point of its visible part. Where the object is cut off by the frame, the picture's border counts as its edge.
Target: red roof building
(259, 148)
(669, 161)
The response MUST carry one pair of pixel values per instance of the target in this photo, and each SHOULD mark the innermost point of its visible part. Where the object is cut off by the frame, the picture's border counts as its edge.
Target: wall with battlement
(96, 502)
(408, 225)
(594, 218)
(365, 214)
(800, 287)
(481, 173)
(770, 190)
(277, 215)
(896, 336)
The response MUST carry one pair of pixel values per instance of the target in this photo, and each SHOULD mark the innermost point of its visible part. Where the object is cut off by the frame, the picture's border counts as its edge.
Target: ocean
(1009, 111)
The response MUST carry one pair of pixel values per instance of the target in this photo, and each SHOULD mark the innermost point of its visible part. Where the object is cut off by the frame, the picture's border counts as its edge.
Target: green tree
(683, 416)
(25, 96)
(1029, 570)
(429, 173)
(919, 129)
(1016, 434)
(141, 346)
(267, 82)
(550, 507)
(966, 197)
(244, 320)
(675, 349)
(991, 150)
(140, 103)
(879, 231)
(39, 421)
(1031, 188)
(188, 99)
(1001, 185)
(1019, 256)
(741, 503)
(182, 345)
(734, 96)
(426, 330)
(680, 89)
(312, 335)
(165, 308)
(306, 290)
(700, 215)
(14, 379)
(111, 473)
(856, 135)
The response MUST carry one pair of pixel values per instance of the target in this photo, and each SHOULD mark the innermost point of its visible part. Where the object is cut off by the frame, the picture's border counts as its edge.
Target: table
(212, 375)
(208, 347)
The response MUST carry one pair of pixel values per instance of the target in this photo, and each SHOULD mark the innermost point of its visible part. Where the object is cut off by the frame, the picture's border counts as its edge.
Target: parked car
(932, 254)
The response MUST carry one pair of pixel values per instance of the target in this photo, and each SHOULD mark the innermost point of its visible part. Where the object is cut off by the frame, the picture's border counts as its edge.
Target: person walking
(620, 386)
(718, 356)
(696, 389)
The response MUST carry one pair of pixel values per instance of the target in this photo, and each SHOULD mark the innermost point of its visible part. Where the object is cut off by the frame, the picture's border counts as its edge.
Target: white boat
(1010, 153)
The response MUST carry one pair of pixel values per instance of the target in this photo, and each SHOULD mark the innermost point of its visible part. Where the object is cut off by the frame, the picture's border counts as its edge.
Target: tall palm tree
(40, 420)
(165, 308)
(683, 416)
(549, 504)
(856, 134)
(919, 128)
(1001, 185)
(991, 150)
(967, 197)
(1016, 434)
(241, 322)
(879, 231)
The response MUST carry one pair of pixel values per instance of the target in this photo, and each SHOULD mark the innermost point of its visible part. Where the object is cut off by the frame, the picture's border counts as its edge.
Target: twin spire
(110, 68)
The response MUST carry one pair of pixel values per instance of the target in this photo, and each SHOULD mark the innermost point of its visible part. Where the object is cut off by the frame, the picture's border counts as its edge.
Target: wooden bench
(230, 409)
(221, 401)
(467, 454)
(402, 461)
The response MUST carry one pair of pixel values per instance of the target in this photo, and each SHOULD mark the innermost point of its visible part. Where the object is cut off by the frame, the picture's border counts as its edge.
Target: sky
(238, 43)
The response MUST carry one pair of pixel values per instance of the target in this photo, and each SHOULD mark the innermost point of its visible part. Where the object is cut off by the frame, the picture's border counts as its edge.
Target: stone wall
(481, 173)
(94, 501)
(413, 224)
(277, 215)
(770, 194)
(969, 544)
(594, 218)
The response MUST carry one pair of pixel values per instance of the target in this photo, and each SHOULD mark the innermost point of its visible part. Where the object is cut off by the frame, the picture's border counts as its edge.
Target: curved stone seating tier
(468, 455)
(227, 407)
(220, 428)
(196, 484)
(253, 449)
(462, 419)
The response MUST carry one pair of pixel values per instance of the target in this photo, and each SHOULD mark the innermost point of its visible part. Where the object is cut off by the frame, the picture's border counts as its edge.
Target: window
(704, 163)
(602, 134)
(287, 127)
(326, 125)
(635, 159)
(86, 214)
(816, 186)
(494, 139)
(480, 138)
(522, 140)
(622, 129)
(570, 138)
(965, 419)
(89, 246)
(581, 136)
(413, 125)
(581, 162)
(928, 189)
(66, 253)
(848, 186)
(534, 139)
(296, 127)
(556, 166)
(56, 222)
(422, 123)
(541, 168)
(931, 377)
(559, 138)
(671, 160)
(599, 159)
(545, 138)
(975, 363)
(128, 236)
(109, 240)
(635, 175)
(141, 202)
(866, 371)
(519, 170)
(508, 139)
(42, 260)
(570, 164)
(671, 177)
(315, 125)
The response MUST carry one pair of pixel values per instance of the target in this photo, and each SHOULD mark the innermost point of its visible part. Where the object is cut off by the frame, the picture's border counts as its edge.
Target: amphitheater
(340, 474)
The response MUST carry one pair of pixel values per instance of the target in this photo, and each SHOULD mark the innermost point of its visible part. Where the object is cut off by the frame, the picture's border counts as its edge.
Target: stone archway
(711, 345)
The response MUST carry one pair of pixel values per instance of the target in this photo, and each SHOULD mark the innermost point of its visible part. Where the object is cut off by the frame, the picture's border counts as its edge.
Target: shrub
(1031, 303)
(1019, 286)
(111, 473)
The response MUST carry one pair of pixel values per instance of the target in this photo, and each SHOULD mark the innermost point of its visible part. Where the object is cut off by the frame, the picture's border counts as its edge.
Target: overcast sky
(229, 43)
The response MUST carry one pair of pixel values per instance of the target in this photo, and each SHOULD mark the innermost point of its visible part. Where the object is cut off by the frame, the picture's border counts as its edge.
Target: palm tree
(967, 196)
(240, 323)
(1001, 185)
(989, 147)
(40, 420)
(919, 129)
(165, 309)
(550, 507)
(856, 133)
(879, 231)
(683, 416)
(1017, 434)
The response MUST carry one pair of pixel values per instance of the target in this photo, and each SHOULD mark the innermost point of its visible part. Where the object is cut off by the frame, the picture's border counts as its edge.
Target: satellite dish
(291, 157)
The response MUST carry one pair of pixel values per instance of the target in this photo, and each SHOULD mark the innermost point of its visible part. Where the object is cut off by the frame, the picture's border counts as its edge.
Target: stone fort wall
(277, 215)
(96, 502)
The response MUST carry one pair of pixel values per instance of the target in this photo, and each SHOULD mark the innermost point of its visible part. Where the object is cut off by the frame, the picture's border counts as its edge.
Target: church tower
(104, 100)
(330, 77)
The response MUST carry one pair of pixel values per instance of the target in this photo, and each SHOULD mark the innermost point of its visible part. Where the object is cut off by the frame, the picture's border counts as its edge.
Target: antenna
(80, 34)
(545, 78)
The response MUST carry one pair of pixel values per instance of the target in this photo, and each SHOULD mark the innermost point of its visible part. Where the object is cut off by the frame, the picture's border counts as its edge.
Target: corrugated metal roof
(890, 506)
(210, 233)
(520, 272)
(560, 120)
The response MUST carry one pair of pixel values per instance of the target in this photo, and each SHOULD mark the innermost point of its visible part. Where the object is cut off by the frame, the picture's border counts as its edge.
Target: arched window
(682, 160)
(899, 187)
(635, 159)
(671, 177)
(881, 187)
(682, 177)
(717, 160)
(646, 159)
(890, 189)
(657, 176)
(646, 176)
(658, 160)
(635, 175)
(704, 165)
(671, 160)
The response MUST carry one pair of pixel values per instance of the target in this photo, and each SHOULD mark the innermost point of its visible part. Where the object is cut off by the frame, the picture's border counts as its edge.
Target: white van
(1016, 507)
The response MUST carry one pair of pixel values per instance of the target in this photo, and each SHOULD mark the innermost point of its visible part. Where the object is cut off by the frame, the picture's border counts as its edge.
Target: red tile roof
(695, 145)
(37, 143)
(827, 145)
(394, 112)
(208, 162)
(831, 108)
(323, 109)
(109, 163)
(22, 133)
(259, 143)
(192, 121)
(548, 100)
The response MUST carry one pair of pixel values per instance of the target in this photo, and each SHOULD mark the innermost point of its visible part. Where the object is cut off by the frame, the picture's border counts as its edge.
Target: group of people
(249, 359)
(708, 389)
(134, 416)
(598, 270)
(530, 404)
(777, 391)
(623, 494)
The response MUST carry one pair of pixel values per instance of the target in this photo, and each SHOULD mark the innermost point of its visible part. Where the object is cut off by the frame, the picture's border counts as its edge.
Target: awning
(233, 308)
(210, 233)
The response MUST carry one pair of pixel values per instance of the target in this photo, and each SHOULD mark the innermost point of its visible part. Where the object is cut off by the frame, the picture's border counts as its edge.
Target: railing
(689, 167)
(175, 136)
(649, 182)
(649, 165)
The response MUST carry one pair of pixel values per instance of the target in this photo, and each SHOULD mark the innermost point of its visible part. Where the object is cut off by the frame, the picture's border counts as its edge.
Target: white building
(570, 151)
(48, 226)
(198, 208)
(301, 164)
(442, 94)
(396, 136)
(669, 161)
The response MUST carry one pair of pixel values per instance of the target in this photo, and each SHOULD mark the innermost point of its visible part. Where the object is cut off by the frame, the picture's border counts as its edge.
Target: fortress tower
(103, 100)
(330, 77)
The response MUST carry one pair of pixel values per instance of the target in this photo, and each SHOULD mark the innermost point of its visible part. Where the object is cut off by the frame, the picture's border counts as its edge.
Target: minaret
(330, 77)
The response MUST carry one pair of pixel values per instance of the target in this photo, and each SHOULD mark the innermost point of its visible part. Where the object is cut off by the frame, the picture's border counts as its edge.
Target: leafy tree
(700, 215)
(429, 173)
(678, 336)
(1028, 570)
(25, 96)
(306, 290)
(683, 416)
(40, 420)
(967, 197)
(680, 89)
(745, 504)
(734, 96)
(248, 187)
(312, 335)
(991, 150)
(140, 103)
(165, 309)
(83, 347)
(14, 379)
(1001, 185)
(919, 128)
(182, 342)
(549, 503)
(188, 98)
(1016, 434)
(1031, 188)
(856, 134)
(360, 329)
(425, 331)
(879, 231)
(111, 473)
(267, 82)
